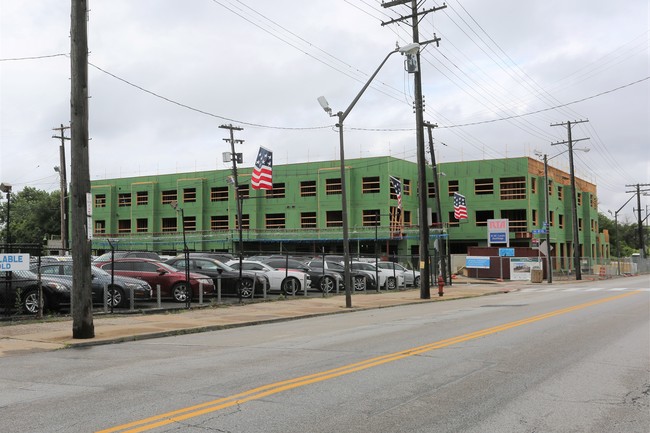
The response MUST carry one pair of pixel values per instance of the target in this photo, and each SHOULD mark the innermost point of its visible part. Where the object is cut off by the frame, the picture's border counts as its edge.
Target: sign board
(506, 252)
(539, 232)
(498, 230)
(520, 267)
(14, 262)
(477, 262)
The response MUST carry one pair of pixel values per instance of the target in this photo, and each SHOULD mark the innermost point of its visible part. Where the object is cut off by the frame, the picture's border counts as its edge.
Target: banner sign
(14, 262)
(477, 262)
(520, 267)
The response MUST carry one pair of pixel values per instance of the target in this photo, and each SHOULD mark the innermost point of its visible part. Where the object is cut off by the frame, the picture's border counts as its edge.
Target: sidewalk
(19, 338)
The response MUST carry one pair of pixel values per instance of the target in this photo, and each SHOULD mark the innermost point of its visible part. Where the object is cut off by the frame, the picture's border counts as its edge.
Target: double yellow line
(278, 387)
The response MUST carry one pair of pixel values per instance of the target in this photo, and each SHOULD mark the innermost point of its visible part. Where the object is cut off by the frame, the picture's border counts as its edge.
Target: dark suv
(21, 291)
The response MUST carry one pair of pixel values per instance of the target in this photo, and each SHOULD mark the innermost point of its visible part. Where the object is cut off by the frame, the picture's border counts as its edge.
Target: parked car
(25, 284)
(287, 281)
(218, 271)
(118, 291)
(107, 257)
(411, 276)
(361, 280)
(323, 280)
(171, 280)
(386, 277)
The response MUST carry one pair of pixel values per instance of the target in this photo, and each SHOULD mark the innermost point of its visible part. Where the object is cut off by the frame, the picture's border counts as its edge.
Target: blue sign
(506, 252)
(477, 262)
(539, 232)
(498, 238)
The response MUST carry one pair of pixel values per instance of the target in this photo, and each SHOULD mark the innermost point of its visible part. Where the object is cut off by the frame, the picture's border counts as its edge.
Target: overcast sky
(165, 74)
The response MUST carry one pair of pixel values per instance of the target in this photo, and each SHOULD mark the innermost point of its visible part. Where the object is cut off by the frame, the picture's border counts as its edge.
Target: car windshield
(335, 266)
(99, 272)
(363, 266)
(28, 275)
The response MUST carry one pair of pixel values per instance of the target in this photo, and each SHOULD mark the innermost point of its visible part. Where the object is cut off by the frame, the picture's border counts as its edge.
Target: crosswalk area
(581, 289)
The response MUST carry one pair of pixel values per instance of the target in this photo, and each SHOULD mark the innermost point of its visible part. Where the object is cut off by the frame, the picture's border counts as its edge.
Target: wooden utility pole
(235, 157)
(640, 234)
(574, 192)
(82, 315)
(436, 186)
(63, 187)
(414, 17)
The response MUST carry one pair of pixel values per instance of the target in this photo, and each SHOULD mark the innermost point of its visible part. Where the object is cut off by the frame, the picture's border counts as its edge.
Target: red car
(171, 280)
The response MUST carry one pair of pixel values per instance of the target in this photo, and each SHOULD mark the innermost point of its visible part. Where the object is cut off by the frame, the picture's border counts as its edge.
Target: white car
(288, 281)
(411, 277)
(387, 278)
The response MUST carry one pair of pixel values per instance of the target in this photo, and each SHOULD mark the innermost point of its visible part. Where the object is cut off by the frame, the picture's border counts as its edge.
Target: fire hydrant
(441, 285)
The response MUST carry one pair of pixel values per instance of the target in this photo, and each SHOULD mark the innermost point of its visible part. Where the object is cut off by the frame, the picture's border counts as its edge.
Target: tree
(35, 214)
(627, 235)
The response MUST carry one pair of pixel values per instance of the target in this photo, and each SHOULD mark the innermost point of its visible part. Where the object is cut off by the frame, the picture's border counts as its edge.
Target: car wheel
(327, 284)
(30, 301)
(290, 286)
(115, 297)
(416, 282)
(391, 283)
(246, 288)
(179, 292)
(360, 283)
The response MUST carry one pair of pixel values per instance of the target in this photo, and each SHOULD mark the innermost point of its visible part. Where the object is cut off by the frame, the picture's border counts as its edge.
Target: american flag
(460, 207)
(262, 177)
(396, 184)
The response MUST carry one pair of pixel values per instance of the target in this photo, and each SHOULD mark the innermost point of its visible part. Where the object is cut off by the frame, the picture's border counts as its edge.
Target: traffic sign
(539, 232)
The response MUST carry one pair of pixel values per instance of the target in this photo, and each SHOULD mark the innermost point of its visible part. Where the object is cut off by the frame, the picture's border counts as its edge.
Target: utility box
(536, 276)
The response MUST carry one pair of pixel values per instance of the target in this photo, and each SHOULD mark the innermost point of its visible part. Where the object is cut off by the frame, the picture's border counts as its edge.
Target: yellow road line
(278, 387)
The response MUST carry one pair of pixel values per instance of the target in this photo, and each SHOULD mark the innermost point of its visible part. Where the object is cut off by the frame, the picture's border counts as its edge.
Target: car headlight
(133, 286)
(205, 281)
(58, 287)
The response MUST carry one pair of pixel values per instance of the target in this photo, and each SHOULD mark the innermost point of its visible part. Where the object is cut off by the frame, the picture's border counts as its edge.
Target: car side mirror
(161, 271)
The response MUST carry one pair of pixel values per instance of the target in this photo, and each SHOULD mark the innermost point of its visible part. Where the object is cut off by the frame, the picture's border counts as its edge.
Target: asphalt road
(545, 359)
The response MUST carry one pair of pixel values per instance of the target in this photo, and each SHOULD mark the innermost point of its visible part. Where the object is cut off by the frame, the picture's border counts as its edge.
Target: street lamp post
(6, 188)
(342, 115)
(186, 255)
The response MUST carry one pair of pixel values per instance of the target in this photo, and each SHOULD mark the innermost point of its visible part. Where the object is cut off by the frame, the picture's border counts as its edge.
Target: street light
(6, 188)
(186, 255)
(549, 264)
(409, 50)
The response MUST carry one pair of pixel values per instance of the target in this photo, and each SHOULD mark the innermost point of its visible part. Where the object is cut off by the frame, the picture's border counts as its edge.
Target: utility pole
(63, 187)
(574, 192)
(414, 16)
(638, 192)
(82, 316)
(436, 187)
(236, 157)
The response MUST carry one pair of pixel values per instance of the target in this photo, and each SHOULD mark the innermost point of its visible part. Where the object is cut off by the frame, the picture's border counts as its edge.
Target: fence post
(105, 298)
(131, 299)
(200, 293)
(158, 297)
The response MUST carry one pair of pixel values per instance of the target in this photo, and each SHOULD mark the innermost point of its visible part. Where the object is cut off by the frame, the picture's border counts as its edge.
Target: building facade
(302, 213)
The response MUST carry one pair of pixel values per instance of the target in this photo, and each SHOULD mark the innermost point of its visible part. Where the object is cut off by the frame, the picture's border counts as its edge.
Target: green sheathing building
(303, 211)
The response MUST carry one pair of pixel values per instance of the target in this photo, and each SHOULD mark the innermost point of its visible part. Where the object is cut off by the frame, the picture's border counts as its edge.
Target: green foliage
(627, 235)
(34, 214)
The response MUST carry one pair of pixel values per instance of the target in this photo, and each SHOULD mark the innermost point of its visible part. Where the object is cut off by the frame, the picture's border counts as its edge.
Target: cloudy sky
(165, 74)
